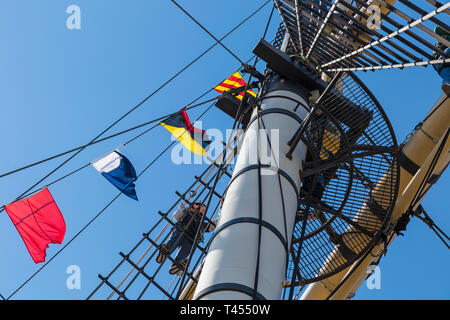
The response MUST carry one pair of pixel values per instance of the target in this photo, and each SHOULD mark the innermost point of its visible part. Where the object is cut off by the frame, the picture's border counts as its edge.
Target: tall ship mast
(323, 208)
(311, 186)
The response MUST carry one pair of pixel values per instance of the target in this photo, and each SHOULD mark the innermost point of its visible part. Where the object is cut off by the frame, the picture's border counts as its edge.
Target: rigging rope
(430, 223)
(183, 198)
(256, 279)
(235, 122)
(101, 211)
(347, 276)
(143, 101)
(146, 237)
(209, 171)
(198, 231)
(426, 218)
(127, 142)
(212, 216)
(95, 141)
(145, 168)
(420, 124)
(279, 182)
(209, 33)
(393, 66)
(218, 175)
(221, 166)
(281, 194)
(421, 191)
(393, 34)
(106, 138)
(260, 217)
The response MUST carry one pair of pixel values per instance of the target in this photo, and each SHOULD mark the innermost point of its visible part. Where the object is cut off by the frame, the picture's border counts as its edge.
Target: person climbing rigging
(189, 220)
(443, 69)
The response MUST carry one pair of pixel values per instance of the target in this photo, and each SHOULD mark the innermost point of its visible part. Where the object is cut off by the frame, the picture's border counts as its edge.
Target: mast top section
(351, 35)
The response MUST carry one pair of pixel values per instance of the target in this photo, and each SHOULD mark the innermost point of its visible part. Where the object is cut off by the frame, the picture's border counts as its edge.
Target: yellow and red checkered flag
(234, 81)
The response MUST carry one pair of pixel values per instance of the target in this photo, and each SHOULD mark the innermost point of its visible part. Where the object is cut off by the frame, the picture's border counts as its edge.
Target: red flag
(39, 222)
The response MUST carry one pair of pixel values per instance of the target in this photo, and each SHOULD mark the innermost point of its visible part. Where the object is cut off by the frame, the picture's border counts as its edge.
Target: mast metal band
(264, 223)
(376, 208)
(344, 250)
(407, 164)
(288, 113)
(265, 166)
(229, 286)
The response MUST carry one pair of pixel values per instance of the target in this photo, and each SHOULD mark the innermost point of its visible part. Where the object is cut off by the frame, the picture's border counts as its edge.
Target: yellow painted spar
(331, 143)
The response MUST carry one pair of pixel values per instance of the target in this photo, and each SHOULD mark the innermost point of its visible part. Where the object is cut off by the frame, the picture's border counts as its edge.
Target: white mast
(248, 255)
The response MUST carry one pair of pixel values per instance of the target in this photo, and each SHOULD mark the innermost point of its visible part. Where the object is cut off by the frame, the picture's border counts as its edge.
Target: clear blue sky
(59, 88)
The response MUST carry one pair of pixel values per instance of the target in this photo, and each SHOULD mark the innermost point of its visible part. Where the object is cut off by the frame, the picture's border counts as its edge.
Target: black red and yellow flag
(194, 139)
(234, 81)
